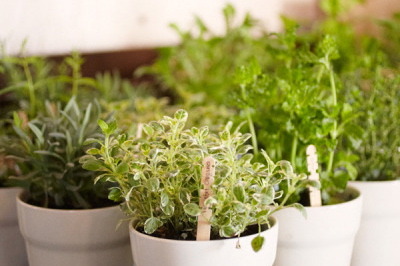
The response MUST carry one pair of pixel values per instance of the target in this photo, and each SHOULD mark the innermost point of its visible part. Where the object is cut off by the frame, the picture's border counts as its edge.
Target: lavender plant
(47, 151)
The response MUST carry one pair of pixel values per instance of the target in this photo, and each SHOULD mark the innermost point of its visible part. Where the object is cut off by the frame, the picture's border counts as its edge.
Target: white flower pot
(378, 240)
(324, 238)
(152, 251)
(12, 246)
(73, 237)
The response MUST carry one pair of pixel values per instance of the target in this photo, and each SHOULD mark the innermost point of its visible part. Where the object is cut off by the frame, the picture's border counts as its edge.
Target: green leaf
(224, 135)
(38, 133)
(137, 176)
(239, 193)
(268, 195)
(257, 243)
(192, 209)
(228, 231)
(115, 194)
(151, 225)
(93, 165)
(112, 127)
(148, 130)
(122, 168)
(262, 213)
(244, 149)
(103, 125)
(181, 115)
(49, 153)
(300, 208)
(91, 141)
(168, 209)
(93, 151)
(239, 207)
(153, 184)
(164, 199)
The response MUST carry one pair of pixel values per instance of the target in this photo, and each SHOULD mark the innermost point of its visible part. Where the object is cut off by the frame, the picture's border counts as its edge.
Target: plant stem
(334, 130)
(31, 89)
(75, 79)
(252, 131)
(294, 149)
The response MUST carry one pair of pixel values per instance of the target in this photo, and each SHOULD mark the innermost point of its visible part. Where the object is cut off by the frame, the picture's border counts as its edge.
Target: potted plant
(63, 217)
(12, 246)
(28, 82)
(368, 71)
(377, 96)
(158, 178)
(302, 96)
(18, 94)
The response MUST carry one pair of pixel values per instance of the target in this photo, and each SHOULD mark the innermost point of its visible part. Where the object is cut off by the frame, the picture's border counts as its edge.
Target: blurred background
(122, 33)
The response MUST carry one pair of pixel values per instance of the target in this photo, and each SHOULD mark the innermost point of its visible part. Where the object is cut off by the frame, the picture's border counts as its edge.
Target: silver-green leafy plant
(158, 178)
(47, 151)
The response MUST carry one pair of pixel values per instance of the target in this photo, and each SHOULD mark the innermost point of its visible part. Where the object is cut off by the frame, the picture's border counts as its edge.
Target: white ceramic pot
(73, 237)
(152, 251)
(12, 246)
(378, 240)
(324, 238)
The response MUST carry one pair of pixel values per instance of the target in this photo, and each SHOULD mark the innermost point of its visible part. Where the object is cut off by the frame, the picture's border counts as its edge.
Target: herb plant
(158, 178)
(47, 151)
(198, 69)
(299, 103)
(378, 99)
(31, 80)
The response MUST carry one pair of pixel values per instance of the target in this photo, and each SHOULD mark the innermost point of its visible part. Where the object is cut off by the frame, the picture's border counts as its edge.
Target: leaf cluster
(158, 177)
(198, 69)
(377, 97)
(47, 151)
(30, 82)
(299, 102)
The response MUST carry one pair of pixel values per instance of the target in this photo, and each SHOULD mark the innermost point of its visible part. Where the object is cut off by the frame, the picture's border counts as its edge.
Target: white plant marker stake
(207, 179)
(139, 130)
(312, 166)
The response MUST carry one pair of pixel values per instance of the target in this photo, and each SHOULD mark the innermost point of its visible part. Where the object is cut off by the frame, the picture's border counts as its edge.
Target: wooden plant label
(207, 179)
(312, 166)
(139, 130)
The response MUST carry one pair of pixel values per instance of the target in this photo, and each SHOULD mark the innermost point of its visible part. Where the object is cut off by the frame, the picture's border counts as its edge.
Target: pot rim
(375, 181)
(273, 220)
(356, 191)
(21, 200)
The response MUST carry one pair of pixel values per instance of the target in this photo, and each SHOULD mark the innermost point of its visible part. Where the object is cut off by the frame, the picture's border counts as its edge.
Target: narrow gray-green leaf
(38, 133)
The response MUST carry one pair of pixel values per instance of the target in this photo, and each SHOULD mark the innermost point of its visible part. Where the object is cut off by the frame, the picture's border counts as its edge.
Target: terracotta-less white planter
(152, 251)
(324, 238)
(73, 237)
(378, 240)
(12, 246)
